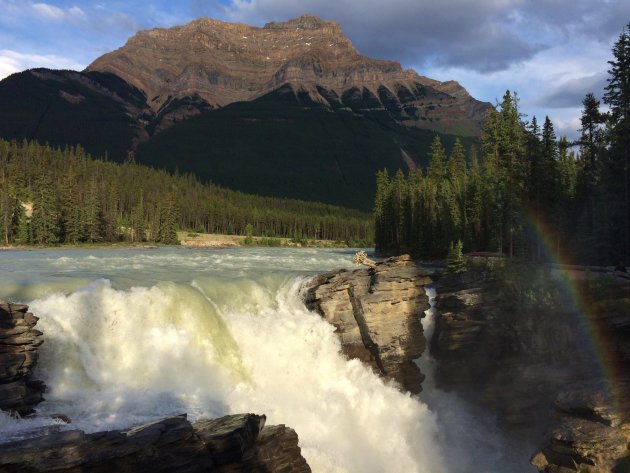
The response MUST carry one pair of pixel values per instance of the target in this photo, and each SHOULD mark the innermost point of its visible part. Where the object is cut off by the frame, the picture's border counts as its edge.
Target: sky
(550, 52)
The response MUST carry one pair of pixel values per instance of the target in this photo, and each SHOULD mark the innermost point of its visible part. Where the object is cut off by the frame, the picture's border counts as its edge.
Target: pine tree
(138, 222)
(382, 219)
(617, 97)
(167, 226)
(457, 179)
(437, 161)
(93, 225)
(506, 169)
(45, 220)
(591, 140)
(456, 261)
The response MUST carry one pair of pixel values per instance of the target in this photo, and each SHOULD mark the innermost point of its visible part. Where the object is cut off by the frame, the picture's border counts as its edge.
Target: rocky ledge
(593, 433)
(377, 315)
(236, 443)
(19, 391)
(506, 338)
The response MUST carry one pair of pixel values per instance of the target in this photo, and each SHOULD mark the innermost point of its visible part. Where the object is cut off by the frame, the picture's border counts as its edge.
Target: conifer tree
(437, 161)
(617, 97)
(167, 226)
(456, 261)
(45, 220)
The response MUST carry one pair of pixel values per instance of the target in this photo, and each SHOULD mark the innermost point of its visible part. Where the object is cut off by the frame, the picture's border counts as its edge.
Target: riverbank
(194, 240)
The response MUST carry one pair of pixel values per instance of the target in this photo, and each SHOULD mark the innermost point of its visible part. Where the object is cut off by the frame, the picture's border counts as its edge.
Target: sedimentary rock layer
(533, 366)
(593, 433)
(19, 391)
(221, 63)
(236, 443)
(377, 315)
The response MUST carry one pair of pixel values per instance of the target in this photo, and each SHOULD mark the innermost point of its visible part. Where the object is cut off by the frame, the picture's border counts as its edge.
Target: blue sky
(552, 52)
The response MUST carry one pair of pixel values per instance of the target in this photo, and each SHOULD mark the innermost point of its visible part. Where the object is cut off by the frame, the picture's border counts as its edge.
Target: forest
(523, 192)
(52, 196)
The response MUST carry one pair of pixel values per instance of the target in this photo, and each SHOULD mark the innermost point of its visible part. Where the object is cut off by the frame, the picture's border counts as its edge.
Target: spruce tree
(456, 261)
(45, 220)
(617, 97)
(167, 226)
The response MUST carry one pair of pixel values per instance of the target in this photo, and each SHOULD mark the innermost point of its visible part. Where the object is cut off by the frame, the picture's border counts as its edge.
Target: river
(136, 334)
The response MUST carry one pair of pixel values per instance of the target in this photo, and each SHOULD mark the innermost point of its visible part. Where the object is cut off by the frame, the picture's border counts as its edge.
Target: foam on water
(219, 340)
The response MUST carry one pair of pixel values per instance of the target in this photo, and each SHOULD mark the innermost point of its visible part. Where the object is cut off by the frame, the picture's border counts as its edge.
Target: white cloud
(567, 123)
(14, 61)
(54, 13)
(476, 35)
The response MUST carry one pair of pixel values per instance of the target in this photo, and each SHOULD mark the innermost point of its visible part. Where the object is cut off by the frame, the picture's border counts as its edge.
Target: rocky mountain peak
(305, 22)
(218, 63)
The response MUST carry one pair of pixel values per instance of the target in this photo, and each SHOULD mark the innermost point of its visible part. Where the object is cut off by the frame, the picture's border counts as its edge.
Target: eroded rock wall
(19, 391)
(534, 365)
(377, 315)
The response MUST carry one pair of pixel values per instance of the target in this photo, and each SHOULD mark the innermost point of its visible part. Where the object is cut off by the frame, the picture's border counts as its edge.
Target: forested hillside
(50, 196)
(523, 193)
(289, 146)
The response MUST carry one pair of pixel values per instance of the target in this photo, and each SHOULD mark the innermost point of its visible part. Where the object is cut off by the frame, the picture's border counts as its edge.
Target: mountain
(289, 109)
(222, 63)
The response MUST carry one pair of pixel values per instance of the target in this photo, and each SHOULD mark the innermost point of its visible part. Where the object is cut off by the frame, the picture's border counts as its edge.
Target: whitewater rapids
(135, 335)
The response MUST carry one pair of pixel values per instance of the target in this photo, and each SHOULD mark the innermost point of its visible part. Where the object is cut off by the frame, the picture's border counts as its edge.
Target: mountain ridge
(290, 109)
(222, 63)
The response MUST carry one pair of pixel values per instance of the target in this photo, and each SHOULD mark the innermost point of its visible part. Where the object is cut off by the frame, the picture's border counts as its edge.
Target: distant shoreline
(189, 240)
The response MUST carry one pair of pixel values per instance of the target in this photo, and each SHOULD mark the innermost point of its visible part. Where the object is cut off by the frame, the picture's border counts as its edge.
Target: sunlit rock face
(377, 315)
(217, 63)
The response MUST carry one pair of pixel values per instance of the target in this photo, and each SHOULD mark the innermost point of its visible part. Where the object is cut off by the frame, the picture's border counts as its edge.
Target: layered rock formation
(237, 443)
(210, 63)
(377, 315)
(508, 340)
(502, 355)
(592, 435)
(19, 391)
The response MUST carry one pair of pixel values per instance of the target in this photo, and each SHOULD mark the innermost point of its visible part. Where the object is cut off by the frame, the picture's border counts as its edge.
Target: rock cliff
(377, 315)
(209, 63)
(237, 443)
(592, 433)
(19, 391)
(506, 338)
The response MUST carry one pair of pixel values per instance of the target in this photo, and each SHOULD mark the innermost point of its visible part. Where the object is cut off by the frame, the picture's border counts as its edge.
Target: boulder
(377, 314)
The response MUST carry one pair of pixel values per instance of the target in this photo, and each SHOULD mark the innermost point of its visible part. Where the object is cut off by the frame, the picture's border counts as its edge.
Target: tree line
(50, 196)
(520, 184)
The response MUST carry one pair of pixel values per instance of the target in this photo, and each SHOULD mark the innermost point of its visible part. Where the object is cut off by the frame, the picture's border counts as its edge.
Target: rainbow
(601, 346)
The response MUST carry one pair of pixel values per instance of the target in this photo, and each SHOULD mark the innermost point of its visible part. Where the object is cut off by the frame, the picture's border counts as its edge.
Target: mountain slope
(284, 144)
(290, 109)
(99, 111)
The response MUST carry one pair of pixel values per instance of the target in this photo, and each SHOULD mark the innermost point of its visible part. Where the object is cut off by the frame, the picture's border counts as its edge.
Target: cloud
(479, 35)
(114, 23)
(13, 61)
(572, 92)
(567, 123)
(54, 13)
